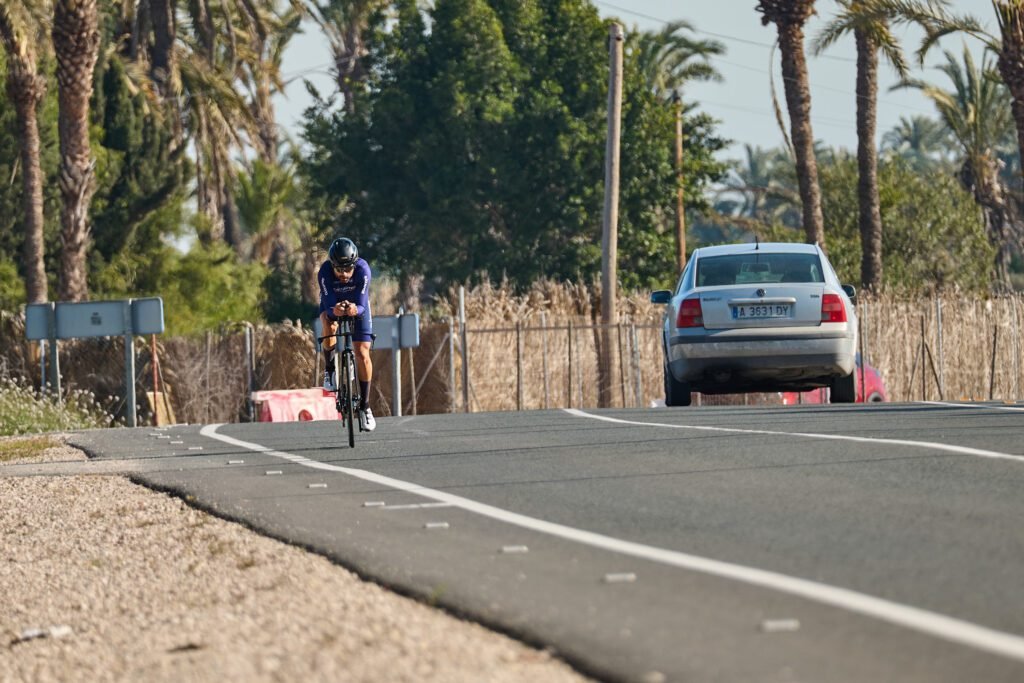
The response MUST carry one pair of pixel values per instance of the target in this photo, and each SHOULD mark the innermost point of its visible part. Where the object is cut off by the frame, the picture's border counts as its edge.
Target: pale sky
(742, 102)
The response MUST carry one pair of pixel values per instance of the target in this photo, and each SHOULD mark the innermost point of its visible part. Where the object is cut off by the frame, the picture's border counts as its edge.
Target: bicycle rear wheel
(347, 386)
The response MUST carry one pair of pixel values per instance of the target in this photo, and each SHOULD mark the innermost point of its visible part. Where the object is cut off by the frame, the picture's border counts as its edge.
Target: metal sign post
(129, 367)
(393, 333)
(73, 320)
(396, 367)
(397, 332)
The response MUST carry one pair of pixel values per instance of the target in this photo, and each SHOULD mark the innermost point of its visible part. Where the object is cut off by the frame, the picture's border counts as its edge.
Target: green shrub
(23, 411)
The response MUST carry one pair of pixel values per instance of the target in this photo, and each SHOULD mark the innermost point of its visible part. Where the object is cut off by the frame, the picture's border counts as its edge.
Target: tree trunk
(76, 41)
(981, 177)
(26, 88)
(798, 102)
(867, 163)
(160, 54)
(310, 266)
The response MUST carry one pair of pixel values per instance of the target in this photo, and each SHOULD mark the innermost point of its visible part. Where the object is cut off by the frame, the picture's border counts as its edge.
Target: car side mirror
(851, 292)
(661, 296)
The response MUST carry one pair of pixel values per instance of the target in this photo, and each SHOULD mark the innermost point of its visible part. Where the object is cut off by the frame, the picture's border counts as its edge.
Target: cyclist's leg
(330, 327)
(364, 369)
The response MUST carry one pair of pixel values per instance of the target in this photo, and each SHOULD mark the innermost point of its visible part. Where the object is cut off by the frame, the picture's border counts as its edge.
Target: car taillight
(832, 309)
(690, 314)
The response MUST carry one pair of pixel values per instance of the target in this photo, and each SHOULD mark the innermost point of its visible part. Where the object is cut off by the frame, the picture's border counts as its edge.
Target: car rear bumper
(740, 361)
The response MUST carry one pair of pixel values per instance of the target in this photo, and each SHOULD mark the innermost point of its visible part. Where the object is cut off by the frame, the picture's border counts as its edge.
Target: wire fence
(935, 348)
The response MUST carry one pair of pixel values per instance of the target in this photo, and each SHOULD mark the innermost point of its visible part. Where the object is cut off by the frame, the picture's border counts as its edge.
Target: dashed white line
(934, 624)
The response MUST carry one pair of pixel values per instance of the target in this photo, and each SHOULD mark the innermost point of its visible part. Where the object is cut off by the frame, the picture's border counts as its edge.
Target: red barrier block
(294, 405)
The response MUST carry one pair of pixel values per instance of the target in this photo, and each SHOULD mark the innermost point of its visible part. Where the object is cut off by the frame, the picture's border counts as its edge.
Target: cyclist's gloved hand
(345, 308)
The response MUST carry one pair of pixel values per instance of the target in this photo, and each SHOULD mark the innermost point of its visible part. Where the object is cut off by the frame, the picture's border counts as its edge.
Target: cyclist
(345, 292)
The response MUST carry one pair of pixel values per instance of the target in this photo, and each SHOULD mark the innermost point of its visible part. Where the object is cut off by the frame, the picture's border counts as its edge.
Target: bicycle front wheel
(348, 386)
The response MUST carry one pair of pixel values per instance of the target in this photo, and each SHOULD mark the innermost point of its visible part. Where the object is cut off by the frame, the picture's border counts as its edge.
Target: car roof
(750, 247)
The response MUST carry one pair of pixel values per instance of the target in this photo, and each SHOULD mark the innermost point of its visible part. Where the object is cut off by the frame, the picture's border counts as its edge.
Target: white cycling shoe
(329, 381)
(366, 421)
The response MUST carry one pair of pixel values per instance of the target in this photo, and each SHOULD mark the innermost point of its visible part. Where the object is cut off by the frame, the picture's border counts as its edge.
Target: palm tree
(1008, 47)
(20, 29)
(76, 42)
(762, 187)
(669, 59)
(978, 113)
(266, 197)
(789, 17)
(870, 23)
(1010, 14)
(345, 22)
(921, 140)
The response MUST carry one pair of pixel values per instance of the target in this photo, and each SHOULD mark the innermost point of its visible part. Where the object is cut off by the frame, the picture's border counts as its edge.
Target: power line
(723, 36)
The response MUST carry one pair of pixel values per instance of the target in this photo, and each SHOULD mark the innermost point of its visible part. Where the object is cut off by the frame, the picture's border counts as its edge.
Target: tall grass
(22, 411)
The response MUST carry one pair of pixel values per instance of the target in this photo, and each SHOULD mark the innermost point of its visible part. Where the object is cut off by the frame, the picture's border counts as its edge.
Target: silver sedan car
(758, 317)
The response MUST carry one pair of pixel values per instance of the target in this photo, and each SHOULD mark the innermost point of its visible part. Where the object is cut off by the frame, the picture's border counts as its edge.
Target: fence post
(1016, 349)
(569, 382)
(544, 356)
(208, 334)
(924, 375)
(465, 349)
(519, 365)
(451, 364)
(638, 384)
(622, 369)
(250, 358)
(938, 328)
(863, 358)
(992, 374)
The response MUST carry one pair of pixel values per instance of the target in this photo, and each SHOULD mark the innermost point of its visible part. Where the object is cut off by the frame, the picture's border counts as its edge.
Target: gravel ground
(105, 580)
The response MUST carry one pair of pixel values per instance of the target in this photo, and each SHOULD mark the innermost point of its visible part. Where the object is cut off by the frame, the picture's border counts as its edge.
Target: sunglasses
(344, 269)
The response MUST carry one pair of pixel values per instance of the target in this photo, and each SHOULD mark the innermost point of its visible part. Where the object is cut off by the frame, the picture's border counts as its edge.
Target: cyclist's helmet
(343, 253)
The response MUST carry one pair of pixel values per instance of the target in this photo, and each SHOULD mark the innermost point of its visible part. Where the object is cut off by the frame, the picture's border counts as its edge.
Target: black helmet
(343, 253)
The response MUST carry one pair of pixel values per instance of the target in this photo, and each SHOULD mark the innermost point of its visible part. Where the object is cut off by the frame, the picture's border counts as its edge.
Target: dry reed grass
(521, 343)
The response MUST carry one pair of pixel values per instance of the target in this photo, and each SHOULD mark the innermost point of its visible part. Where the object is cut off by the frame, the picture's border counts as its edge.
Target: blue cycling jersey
(356, 290)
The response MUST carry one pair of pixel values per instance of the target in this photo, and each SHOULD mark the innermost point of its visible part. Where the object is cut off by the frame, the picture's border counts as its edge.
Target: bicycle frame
(346, 392)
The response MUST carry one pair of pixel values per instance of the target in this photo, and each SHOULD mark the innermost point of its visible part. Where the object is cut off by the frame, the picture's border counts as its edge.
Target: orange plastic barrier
(294, 405)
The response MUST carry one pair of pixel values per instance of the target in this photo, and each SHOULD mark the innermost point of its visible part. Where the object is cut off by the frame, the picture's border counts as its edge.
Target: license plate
(760, 311)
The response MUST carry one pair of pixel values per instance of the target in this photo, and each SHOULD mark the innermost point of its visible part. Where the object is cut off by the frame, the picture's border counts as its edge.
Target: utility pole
(680, 215)
(610, 227)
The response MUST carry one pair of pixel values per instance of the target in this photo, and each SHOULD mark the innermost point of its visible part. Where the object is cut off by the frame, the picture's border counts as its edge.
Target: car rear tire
(844, 389)
(676, 393)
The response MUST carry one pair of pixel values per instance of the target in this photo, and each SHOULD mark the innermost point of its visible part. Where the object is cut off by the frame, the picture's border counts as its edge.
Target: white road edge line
(931, 445)
(931, 623)
(973, 405)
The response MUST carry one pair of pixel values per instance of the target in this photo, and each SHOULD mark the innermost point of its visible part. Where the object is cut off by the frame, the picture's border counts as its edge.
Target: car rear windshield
(755, 268)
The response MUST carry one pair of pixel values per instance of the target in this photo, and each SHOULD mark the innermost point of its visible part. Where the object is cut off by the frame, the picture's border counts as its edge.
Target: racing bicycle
(346, 389)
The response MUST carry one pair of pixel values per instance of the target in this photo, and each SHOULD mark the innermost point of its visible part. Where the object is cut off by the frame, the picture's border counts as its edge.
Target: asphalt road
(800, 543)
